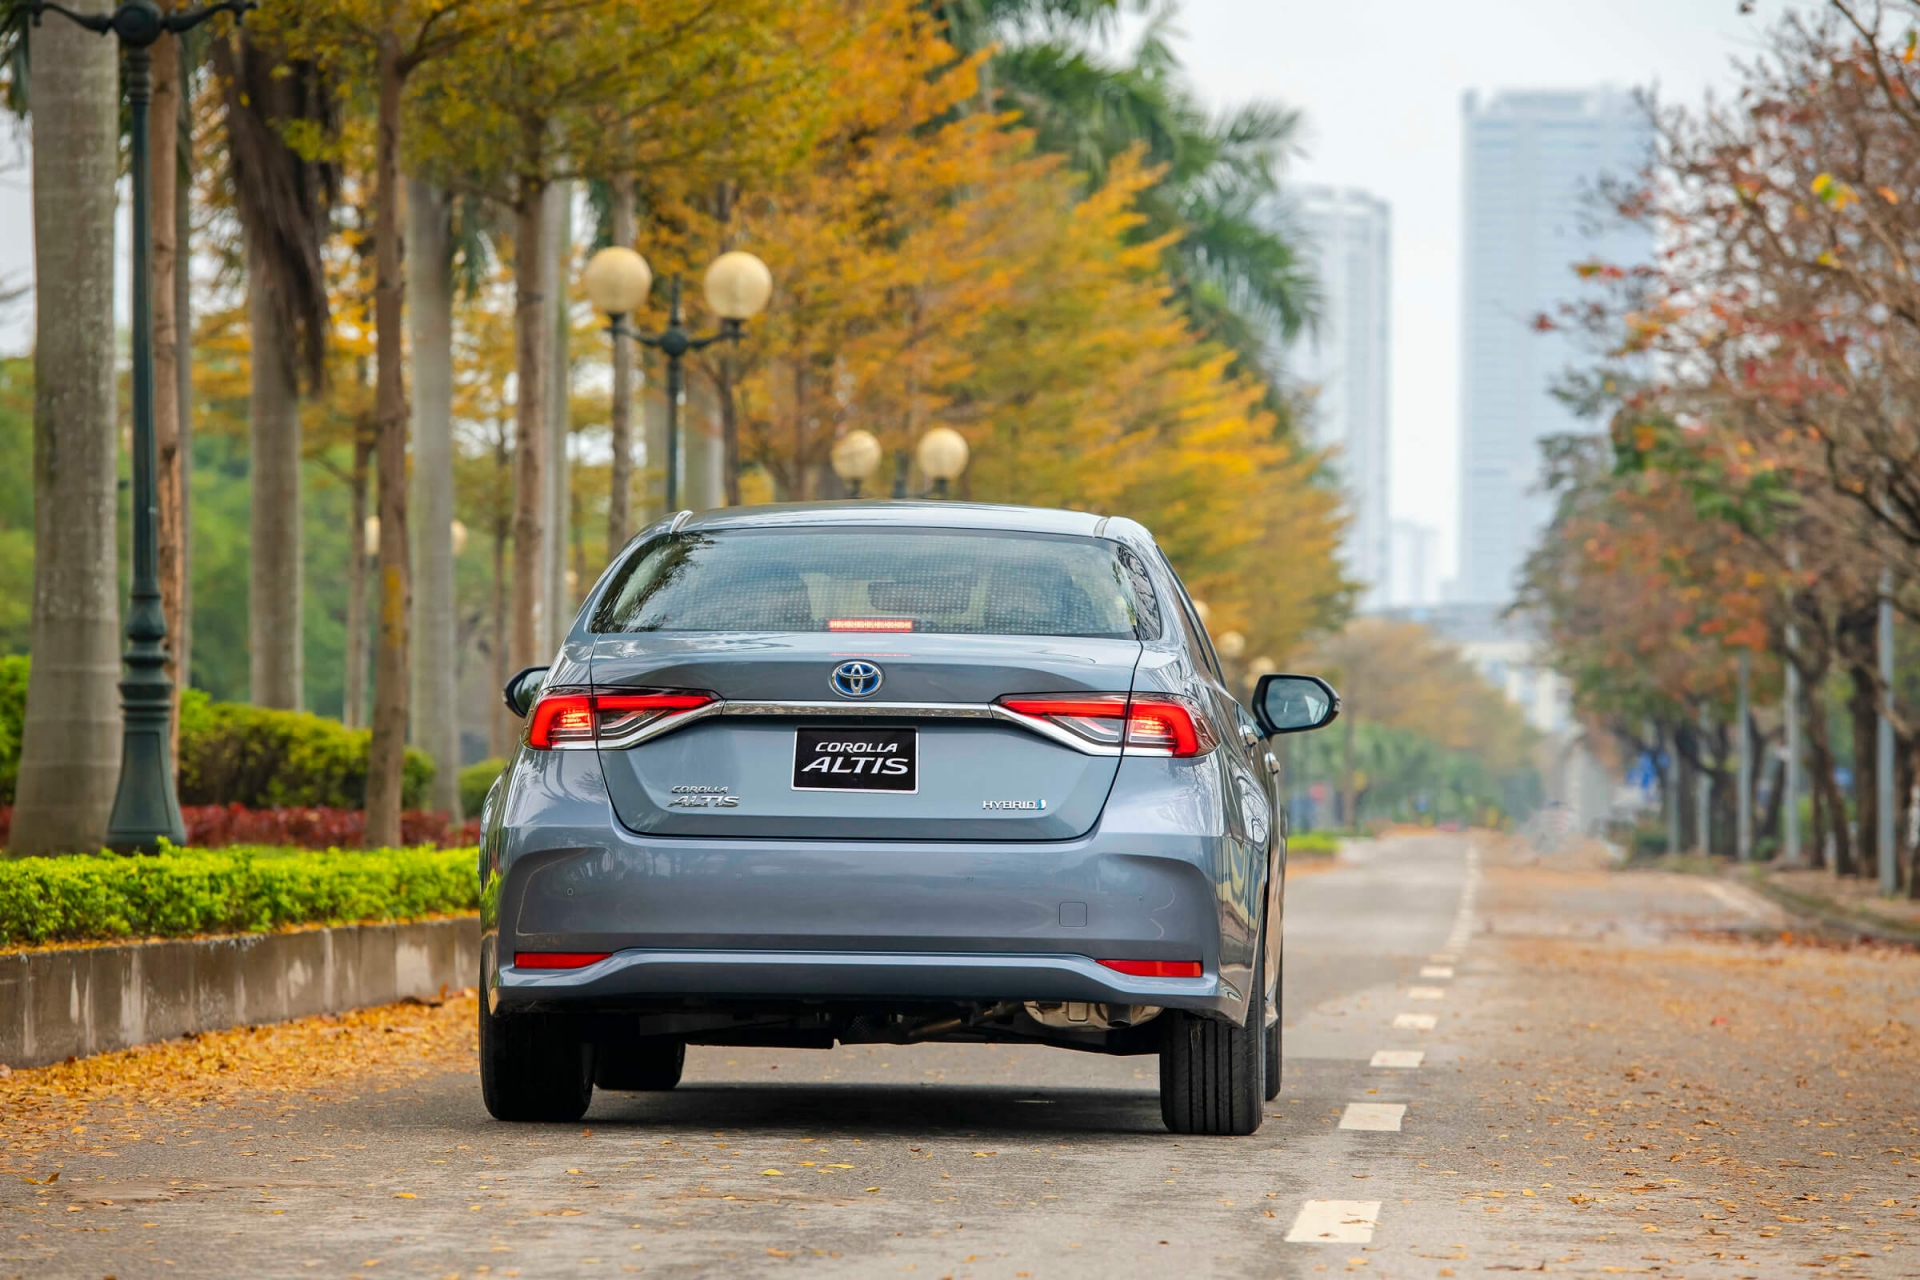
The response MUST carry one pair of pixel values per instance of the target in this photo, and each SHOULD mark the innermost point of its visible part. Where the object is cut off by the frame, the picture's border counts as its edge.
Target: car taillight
(558, 959)
(580, 719)
(1145, 724)
(1156, 968)
(1171, 724)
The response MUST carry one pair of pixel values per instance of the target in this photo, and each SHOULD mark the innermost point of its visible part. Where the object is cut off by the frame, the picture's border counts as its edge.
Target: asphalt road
(1606, 1084)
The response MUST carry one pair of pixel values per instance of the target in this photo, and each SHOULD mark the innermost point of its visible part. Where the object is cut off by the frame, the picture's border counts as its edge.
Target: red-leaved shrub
(212, 825)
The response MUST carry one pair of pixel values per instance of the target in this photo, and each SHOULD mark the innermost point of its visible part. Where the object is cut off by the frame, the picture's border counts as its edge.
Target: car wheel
(645, 1067)
(1213, 1074)
(529, 1073)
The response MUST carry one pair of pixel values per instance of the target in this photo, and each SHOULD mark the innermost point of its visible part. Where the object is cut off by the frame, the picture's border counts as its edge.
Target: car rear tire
(648, 1066)
(528, 1072)
(1213, 1074)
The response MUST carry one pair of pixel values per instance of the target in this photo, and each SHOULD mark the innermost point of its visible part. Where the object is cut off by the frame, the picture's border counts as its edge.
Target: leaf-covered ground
(1632, 1074)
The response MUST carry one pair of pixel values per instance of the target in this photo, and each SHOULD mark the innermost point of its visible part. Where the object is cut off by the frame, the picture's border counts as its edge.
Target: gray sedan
(859, 773)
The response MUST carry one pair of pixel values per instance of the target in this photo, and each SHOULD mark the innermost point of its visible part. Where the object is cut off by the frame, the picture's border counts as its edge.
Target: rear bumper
(740, 919)
(843, 976)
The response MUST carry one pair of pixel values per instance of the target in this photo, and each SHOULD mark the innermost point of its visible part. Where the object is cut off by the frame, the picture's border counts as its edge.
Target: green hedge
(232, 753)
(475, 781)
(1313, 844)
(233, 890)
(13, 714)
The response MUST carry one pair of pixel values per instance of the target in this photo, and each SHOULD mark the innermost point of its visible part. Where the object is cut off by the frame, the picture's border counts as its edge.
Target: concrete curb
(85, 1000)
(1835, 915)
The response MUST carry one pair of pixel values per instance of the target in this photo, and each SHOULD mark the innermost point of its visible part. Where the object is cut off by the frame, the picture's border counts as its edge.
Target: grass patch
(239, 889)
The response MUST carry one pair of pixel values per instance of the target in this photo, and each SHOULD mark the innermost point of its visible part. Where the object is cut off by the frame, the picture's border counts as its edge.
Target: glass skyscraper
(1342, 364)
(1535, 161)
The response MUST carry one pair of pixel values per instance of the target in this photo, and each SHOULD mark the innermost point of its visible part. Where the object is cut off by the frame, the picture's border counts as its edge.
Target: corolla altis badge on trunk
(856, 679)
(856, 759)
(689, 797)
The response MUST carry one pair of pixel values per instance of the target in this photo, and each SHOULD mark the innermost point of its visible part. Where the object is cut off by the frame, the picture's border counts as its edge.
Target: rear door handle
(1273, 764)
(1249, 735)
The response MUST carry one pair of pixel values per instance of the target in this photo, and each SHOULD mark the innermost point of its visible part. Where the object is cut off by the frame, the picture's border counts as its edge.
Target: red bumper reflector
(1156, 968)
(557, 959)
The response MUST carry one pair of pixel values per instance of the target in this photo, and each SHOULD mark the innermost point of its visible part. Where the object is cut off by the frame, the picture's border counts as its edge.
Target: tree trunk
(1768, 827)
(533, 344)
(1863, 707)
(729, 427)
(164, 172)
(275, 651)
(436, 700)
(500, 722)
(655, 425)
(386, 756)
(557, 245)
(182, 640)
(1832, 808)
(620, 409)
(353, 705)
(70, 754)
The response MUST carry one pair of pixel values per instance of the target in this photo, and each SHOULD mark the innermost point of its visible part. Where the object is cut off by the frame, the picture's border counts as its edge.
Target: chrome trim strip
(1048, 729)
(892, 710)
(884, 710)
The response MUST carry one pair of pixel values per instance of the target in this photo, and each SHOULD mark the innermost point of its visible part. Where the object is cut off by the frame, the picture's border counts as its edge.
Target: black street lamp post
(674, 342)
(737, 285)
(145, 807)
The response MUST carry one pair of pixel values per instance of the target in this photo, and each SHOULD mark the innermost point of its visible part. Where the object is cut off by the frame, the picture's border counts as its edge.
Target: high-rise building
(1410, 565)
(1536, 162)
(1342, 363)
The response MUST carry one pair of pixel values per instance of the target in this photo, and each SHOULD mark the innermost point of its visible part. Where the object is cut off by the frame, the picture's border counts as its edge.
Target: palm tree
(283, 200)
(70, 756)
(1233, 259)
(435, 703)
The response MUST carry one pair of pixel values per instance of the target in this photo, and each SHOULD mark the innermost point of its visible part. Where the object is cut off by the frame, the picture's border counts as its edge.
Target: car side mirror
(1294, 704)
(523, 689)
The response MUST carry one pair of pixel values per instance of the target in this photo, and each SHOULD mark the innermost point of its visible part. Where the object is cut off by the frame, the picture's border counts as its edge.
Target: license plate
(856, 760)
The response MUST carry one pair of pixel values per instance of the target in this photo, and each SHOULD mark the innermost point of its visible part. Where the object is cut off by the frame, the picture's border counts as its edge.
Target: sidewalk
(1844, 902)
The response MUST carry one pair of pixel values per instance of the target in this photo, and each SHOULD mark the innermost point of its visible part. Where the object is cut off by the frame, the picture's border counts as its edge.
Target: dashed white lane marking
(1413, 1021)
(1436, 971)
(1426, 993)
(1374, 1117)
(1335, 1222)
(1404, 1059)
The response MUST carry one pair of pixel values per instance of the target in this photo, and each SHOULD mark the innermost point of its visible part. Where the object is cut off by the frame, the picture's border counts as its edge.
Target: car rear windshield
(947, 581)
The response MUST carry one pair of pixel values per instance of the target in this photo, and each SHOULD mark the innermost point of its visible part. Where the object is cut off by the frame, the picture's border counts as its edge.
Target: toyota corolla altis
(886, 773)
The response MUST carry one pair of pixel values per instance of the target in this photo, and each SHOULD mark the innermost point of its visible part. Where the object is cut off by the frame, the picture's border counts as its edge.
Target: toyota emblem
(856, 679)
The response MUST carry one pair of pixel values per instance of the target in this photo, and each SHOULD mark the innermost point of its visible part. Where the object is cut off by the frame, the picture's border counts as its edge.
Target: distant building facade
(1534, 161)
(1412, 579)
(1343, 364)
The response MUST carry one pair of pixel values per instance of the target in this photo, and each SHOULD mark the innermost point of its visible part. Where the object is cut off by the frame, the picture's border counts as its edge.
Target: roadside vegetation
(977, 216)
(181, 893)
(1753, 495)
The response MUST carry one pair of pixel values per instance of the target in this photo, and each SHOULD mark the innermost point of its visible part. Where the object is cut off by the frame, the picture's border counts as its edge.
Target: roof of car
(904, 514)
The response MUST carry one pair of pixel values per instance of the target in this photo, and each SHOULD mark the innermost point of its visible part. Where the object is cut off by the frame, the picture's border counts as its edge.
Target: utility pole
(1743, 822)
(1790, 797)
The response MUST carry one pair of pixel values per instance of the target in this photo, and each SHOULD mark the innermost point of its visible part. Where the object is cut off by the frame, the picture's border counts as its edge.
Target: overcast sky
(1380, 83)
